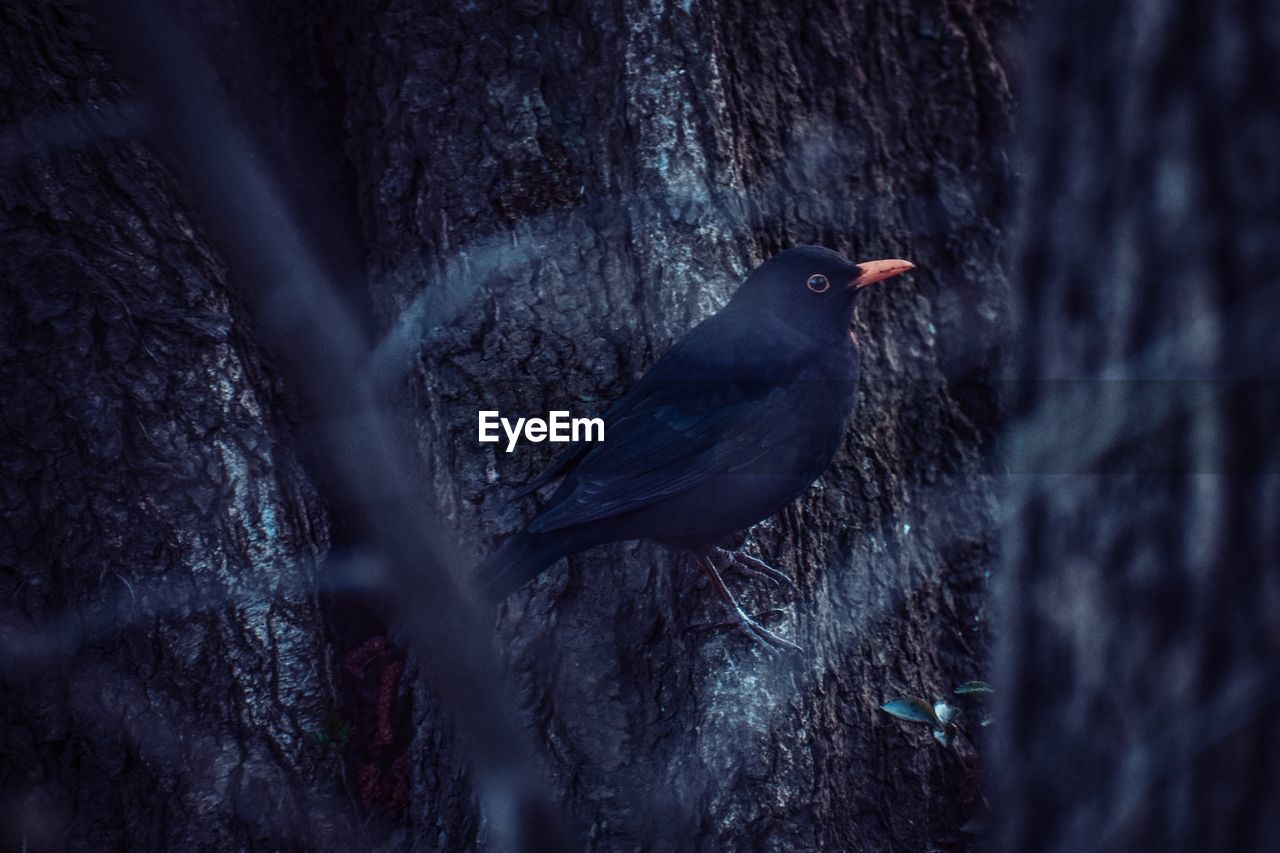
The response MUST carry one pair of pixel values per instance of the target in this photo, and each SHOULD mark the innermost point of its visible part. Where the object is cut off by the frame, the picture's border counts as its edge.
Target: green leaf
(912, 710)
(974, 687)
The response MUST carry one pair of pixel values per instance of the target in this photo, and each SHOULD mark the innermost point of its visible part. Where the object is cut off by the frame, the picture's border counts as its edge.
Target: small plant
(973, 687)
(939, 716)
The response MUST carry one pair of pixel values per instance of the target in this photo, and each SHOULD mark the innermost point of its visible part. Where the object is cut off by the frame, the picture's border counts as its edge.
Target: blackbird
(741, 416)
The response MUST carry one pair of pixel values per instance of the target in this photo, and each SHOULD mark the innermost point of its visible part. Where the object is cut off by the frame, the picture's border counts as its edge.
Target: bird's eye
(818, 283)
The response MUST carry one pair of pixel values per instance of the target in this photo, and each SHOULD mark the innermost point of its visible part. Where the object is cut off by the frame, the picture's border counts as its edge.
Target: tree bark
(165, 676)
(1137, 667)
(548, 201)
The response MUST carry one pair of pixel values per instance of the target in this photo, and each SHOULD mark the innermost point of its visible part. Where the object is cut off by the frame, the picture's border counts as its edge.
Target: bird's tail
(522, 558)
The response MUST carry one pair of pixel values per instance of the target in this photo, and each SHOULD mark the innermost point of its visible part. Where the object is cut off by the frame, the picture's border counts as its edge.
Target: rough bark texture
(164, 673)
(549, 200)
(1138, 663)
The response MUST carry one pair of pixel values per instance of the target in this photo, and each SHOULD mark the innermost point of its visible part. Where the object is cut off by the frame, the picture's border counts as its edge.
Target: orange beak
(873, 271)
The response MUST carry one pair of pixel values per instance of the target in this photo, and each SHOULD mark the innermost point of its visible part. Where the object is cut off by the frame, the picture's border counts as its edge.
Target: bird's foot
(744, 622)
(771, 641)
(754, 567)
(749, 625)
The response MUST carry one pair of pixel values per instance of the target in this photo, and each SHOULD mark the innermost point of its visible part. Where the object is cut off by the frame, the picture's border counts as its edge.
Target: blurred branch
(302, 317)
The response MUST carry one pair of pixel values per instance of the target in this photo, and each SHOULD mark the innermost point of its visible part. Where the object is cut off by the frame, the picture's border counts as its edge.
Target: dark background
(262, 263)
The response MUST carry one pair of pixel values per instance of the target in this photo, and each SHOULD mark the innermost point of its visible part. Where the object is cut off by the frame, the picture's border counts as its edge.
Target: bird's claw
(771, 642)
(774, 643)
(755, 567)
(753, 629)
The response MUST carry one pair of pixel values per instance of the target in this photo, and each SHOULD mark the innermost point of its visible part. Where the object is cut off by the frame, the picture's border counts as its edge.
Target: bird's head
(812, 288)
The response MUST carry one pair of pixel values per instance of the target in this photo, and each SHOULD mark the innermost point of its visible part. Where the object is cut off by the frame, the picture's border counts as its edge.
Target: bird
(740, 417)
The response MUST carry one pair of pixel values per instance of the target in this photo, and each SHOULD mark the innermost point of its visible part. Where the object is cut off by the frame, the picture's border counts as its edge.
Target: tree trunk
(548, 202)
(1137, 669)
(165, 679)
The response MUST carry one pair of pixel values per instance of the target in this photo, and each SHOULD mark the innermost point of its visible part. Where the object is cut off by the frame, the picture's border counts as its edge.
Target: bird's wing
(566, 458)
(713, 405)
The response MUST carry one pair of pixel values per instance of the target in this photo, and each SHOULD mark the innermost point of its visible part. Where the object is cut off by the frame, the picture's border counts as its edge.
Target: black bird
(732, 424)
